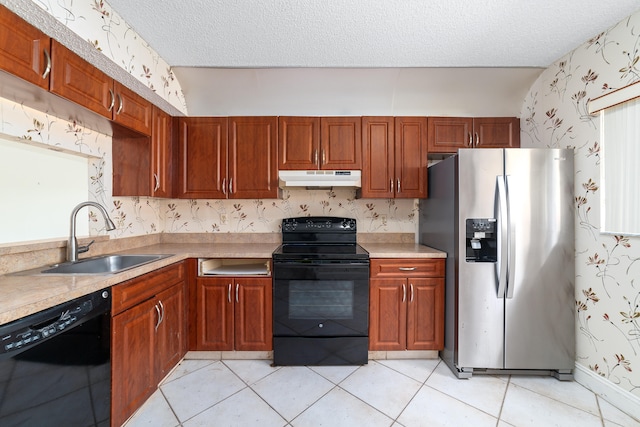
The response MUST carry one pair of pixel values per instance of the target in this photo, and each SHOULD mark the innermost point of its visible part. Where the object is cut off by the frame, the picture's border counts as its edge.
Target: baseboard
(621, 399)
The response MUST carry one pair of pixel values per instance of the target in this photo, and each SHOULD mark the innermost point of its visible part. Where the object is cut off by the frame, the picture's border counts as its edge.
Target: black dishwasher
(55, 365)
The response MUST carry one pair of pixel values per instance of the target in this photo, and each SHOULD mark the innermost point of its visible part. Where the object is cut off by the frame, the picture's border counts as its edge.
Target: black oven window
(311, 299)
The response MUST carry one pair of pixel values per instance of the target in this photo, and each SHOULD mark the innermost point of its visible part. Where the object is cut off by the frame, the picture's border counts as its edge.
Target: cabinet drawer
(132, 292)
(406, 267)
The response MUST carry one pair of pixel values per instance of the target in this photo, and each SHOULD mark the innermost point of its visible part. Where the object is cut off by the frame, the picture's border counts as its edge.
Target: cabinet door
(298, 143)
(253, 157)
(131, 156)
(214, 325)
(496, 132)
(131, 110)
(411, 157)
(24, 50)
(447, 134)
(171, 342)
(340, 143)
(161, 154)
(202, 158)
(253, 314)
(387, 314)
(425, 315)
(378, 177)
(76, 80)
(132, 356)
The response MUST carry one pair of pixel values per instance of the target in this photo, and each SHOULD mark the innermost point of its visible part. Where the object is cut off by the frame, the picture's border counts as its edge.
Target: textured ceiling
(369, 33)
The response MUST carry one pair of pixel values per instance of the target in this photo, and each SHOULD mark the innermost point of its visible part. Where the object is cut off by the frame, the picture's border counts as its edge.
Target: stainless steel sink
(103, 264)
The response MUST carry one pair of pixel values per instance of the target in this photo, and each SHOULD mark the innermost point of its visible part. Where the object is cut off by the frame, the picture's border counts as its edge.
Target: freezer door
(539, 319)
(480, 311)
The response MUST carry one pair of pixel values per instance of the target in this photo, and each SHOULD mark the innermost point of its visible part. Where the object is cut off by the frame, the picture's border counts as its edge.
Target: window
(38, 190)
(620, 163)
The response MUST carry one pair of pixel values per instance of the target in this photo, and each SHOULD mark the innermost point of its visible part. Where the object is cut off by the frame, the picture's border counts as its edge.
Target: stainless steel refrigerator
(505, 217)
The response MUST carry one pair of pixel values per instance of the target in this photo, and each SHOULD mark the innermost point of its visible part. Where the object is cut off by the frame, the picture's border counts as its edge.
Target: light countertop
(25, 294)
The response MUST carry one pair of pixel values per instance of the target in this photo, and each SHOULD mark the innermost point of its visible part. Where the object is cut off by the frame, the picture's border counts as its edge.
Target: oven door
(320, 298)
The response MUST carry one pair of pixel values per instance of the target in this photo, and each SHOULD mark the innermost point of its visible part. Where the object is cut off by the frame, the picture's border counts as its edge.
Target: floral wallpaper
(105, 30)
(554, 114)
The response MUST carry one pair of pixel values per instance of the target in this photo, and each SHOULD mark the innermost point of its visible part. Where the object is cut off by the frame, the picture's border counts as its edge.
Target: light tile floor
(382, 393)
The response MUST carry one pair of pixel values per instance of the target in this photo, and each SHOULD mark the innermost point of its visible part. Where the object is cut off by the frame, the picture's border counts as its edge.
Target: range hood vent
(320, 179)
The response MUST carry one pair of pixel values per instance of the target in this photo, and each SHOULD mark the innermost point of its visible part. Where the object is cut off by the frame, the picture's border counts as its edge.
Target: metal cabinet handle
(324, 159)
(411, 297)
(477, 139)
(120, 104)
(391, 185)
(404, 292)
(470, 140)
(47, 69)
(407, 268)
(237, 287)
(398, 186)
(113, 100)
(231, 186)
(224, 186)
(157, 179)
(159, 317)
(315, 156)
(229, 294)
(162, 310)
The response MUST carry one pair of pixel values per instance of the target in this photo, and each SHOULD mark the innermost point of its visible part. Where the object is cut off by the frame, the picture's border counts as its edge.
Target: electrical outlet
(383, 218)
(223, 218)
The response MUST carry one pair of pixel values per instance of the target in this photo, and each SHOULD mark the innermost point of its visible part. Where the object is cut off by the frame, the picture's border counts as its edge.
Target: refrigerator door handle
(511, 258)
(502, 216)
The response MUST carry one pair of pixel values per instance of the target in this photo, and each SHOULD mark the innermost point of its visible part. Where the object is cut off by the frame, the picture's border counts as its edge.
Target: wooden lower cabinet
(148, 336)
(406, 304)
(233, 313)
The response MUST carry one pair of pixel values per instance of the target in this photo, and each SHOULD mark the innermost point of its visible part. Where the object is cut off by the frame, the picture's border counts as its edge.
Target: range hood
(320, 179)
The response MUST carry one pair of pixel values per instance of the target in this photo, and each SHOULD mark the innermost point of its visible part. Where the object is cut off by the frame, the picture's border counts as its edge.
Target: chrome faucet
(72, 245)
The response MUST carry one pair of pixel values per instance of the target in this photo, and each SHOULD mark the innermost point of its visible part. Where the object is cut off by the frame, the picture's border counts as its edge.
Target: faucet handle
(83, 249)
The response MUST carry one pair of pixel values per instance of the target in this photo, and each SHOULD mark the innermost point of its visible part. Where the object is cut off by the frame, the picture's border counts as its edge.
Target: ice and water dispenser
(481, 237)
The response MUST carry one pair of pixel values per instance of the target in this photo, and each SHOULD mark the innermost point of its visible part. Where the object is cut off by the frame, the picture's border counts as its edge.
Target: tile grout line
(504, 399)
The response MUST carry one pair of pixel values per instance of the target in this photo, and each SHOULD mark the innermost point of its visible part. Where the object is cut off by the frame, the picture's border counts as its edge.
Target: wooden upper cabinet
(448, 134)
(75, 79)
(411, 157)
(308, 143)
(340, 143)
(496, 132)
(201, 157)
(131, 110)
(395, 157)
(378, 157)
(24, 50)
(161, 154)
(298, 143)
(253, 157)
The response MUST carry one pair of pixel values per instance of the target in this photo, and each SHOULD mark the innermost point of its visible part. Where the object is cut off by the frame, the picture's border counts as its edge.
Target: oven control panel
(315, 224)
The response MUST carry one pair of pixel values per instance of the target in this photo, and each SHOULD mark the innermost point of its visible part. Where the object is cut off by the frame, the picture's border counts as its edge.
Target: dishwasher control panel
(31, 330)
